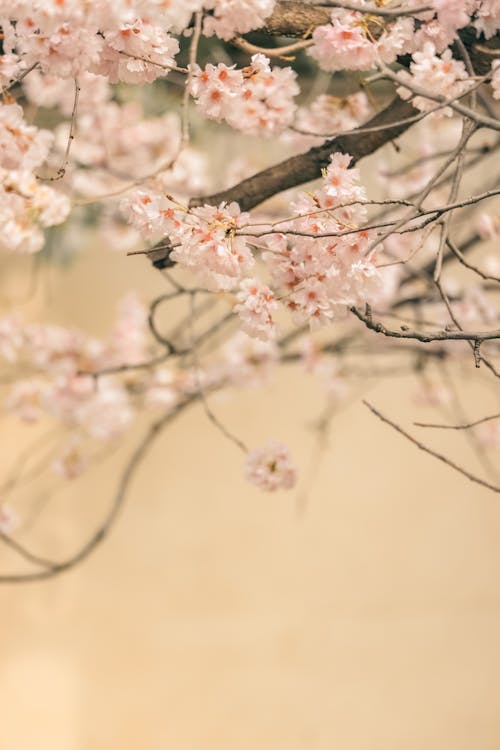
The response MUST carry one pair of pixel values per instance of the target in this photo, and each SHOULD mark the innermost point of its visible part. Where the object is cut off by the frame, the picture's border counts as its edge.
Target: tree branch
(426, 449)
(306, 167)
(291, 18)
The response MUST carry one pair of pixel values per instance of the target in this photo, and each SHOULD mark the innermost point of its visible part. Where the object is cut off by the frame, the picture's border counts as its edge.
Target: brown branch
(293, 18)
(377, 11)
(306, 167)
(52, 569)
(463, 260)
(426, 449)
(425, 338)
(281, 53)
(458, 426)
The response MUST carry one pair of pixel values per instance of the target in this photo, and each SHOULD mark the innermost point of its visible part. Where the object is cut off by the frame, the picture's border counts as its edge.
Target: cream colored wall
(217, 617)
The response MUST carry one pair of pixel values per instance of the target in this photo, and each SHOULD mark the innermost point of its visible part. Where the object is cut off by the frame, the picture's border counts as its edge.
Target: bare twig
(430, 451)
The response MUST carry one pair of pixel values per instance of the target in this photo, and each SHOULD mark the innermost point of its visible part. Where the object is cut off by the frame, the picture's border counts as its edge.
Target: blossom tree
(301, 262)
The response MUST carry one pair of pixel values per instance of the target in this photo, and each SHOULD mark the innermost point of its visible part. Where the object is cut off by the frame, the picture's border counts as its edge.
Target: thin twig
(426, 449)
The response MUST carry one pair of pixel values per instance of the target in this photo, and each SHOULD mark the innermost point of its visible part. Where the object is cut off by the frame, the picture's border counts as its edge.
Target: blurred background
(360, 612)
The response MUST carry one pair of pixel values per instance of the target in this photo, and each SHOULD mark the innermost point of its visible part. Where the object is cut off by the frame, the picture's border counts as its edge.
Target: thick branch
(292, 18)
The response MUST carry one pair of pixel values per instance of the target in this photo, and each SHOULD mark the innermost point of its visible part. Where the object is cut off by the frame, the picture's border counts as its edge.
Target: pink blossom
(270, 468)
(26, 399)
(323, 276)
(454, 14)
(255, 308)
(206, 243)
(22, 146)
(60, 47)
(231, 17)
(71, 462)
(10, 68)
(440, 76)
(347, 44)
(27, 206)
(108, 412)
(138, 52)
(488, 17)
(257, 100)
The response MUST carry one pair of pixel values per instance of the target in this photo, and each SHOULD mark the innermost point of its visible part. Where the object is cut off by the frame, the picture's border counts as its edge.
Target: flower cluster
(451, 15)
(203, 238)
(26, 206)
(318, 261)
(231, 17)
(441, 76)
(348, 42)
(454, 14)
(53, 359)
(487, 18)
(324, 275)
(22, 146)
(125, 41)
(256, 305)
(270, 467)
(257, 100)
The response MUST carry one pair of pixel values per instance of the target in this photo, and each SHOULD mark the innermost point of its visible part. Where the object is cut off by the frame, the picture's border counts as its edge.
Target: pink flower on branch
(270, 467)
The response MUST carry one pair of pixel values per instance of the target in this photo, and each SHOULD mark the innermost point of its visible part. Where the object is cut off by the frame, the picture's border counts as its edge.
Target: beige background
(218, 617)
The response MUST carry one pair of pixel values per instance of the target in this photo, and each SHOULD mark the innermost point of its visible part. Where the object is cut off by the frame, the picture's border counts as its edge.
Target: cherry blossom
(257, 100)
(256, 305)
(347, 43)
(71, 462)
(22, 146)
(26, 207)
(270, 467)
(440, 75)
(231, 17)
(138, 52)
(454, 14)
(488, 17)
(325, 276)
(206, 243)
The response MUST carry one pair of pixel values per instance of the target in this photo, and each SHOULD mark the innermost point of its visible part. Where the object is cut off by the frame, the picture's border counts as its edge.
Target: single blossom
(270, 467)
